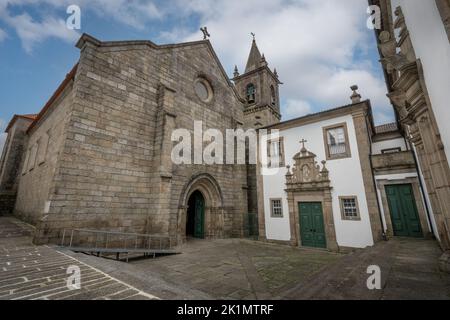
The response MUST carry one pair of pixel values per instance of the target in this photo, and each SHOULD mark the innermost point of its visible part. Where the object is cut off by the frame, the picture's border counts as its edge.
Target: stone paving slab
(409, 271)
(237, 268)
(222, 269)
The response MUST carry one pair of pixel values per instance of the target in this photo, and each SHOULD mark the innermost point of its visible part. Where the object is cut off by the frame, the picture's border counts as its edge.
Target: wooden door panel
(312, 228)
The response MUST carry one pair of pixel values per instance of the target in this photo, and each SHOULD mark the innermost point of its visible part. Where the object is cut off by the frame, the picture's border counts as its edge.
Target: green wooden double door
(196, 216)
(312, 229)
(404, 215)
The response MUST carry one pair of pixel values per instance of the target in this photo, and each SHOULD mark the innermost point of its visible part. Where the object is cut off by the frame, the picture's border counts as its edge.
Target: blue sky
(319, 47)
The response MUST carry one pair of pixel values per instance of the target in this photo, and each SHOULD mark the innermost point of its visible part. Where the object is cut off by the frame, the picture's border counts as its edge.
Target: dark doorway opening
(195, 224)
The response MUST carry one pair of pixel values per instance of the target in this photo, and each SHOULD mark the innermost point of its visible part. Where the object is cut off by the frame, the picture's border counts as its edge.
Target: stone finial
(236, 72)
(356, 97)
(324, 172)
(399, 21)
(324, 168)
(398, 12)
(263, 60)
(387, 45)
(275, 72)
(288, 173)
(384, 36)
(388, 48)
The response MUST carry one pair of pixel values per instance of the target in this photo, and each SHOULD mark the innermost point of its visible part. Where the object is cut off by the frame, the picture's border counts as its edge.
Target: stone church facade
(98, 155)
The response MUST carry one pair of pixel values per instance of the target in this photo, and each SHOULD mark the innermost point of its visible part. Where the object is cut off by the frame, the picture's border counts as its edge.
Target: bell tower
(259, 87)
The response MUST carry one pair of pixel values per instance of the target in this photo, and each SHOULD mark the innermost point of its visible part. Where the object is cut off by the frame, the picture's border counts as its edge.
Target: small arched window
(273, 96)
(251, 93)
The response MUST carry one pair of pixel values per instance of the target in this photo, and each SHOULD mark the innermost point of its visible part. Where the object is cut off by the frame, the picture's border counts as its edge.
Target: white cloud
(53, 25)
(296, 108)
(311, 43)
(134, 13)
(32, 32)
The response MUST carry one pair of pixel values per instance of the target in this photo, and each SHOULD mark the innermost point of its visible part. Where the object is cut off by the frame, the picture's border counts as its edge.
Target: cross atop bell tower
(259, 87)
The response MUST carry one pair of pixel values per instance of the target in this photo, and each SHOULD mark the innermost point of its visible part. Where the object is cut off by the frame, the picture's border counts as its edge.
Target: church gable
(201, 84)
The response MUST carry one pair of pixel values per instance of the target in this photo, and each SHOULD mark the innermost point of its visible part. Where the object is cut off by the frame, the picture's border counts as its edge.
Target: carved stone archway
(308, 183)
(214, 212)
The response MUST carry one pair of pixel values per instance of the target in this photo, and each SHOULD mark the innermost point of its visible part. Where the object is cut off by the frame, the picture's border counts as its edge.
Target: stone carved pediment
(306, 173)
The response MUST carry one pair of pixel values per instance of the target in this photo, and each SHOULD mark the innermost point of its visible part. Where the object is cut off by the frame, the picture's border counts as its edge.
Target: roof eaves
(312, 115)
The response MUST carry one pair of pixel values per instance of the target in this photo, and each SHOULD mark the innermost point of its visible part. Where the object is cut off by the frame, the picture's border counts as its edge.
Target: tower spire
(236, 71)
(254, 58)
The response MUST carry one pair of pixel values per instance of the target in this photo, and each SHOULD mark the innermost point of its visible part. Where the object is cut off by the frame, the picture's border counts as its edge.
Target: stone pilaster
(362, 136)
(157, 221)
(260, 195)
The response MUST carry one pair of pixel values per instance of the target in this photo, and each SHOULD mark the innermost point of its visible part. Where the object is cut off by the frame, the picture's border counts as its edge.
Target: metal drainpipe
(378, 200)
(422, 190)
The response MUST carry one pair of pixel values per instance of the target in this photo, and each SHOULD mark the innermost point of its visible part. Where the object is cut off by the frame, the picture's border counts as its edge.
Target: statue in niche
(306, 173)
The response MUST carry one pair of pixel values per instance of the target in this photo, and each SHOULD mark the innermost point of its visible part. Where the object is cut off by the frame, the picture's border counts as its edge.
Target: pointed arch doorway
(195, 224)
(201, 207)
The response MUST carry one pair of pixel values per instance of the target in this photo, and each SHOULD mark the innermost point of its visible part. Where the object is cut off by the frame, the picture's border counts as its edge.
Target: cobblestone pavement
(222, 269)
(409, 271)
(40, 272)
(241, 269)
(238, 269)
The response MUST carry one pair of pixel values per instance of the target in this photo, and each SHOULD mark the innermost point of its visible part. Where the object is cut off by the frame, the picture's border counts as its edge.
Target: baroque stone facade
(98, 155)
(308, 182)
(408, 92)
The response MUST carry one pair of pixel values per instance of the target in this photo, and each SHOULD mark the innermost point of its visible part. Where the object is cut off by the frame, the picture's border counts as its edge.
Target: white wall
(432, 47)
(377, 147)
(346, 180)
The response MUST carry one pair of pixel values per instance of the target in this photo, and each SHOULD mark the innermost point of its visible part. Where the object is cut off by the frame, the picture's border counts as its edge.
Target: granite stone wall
(12, 157)
(114, 170)
(42, 151)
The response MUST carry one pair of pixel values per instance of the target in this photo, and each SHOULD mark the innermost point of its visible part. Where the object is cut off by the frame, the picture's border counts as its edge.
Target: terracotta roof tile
(386, 128)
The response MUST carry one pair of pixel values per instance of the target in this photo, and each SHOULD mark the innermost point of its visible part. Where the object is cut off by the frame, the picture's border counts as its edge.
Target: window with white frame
(276, 208)
(336, 142)
(349, 208)
(275, 152)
